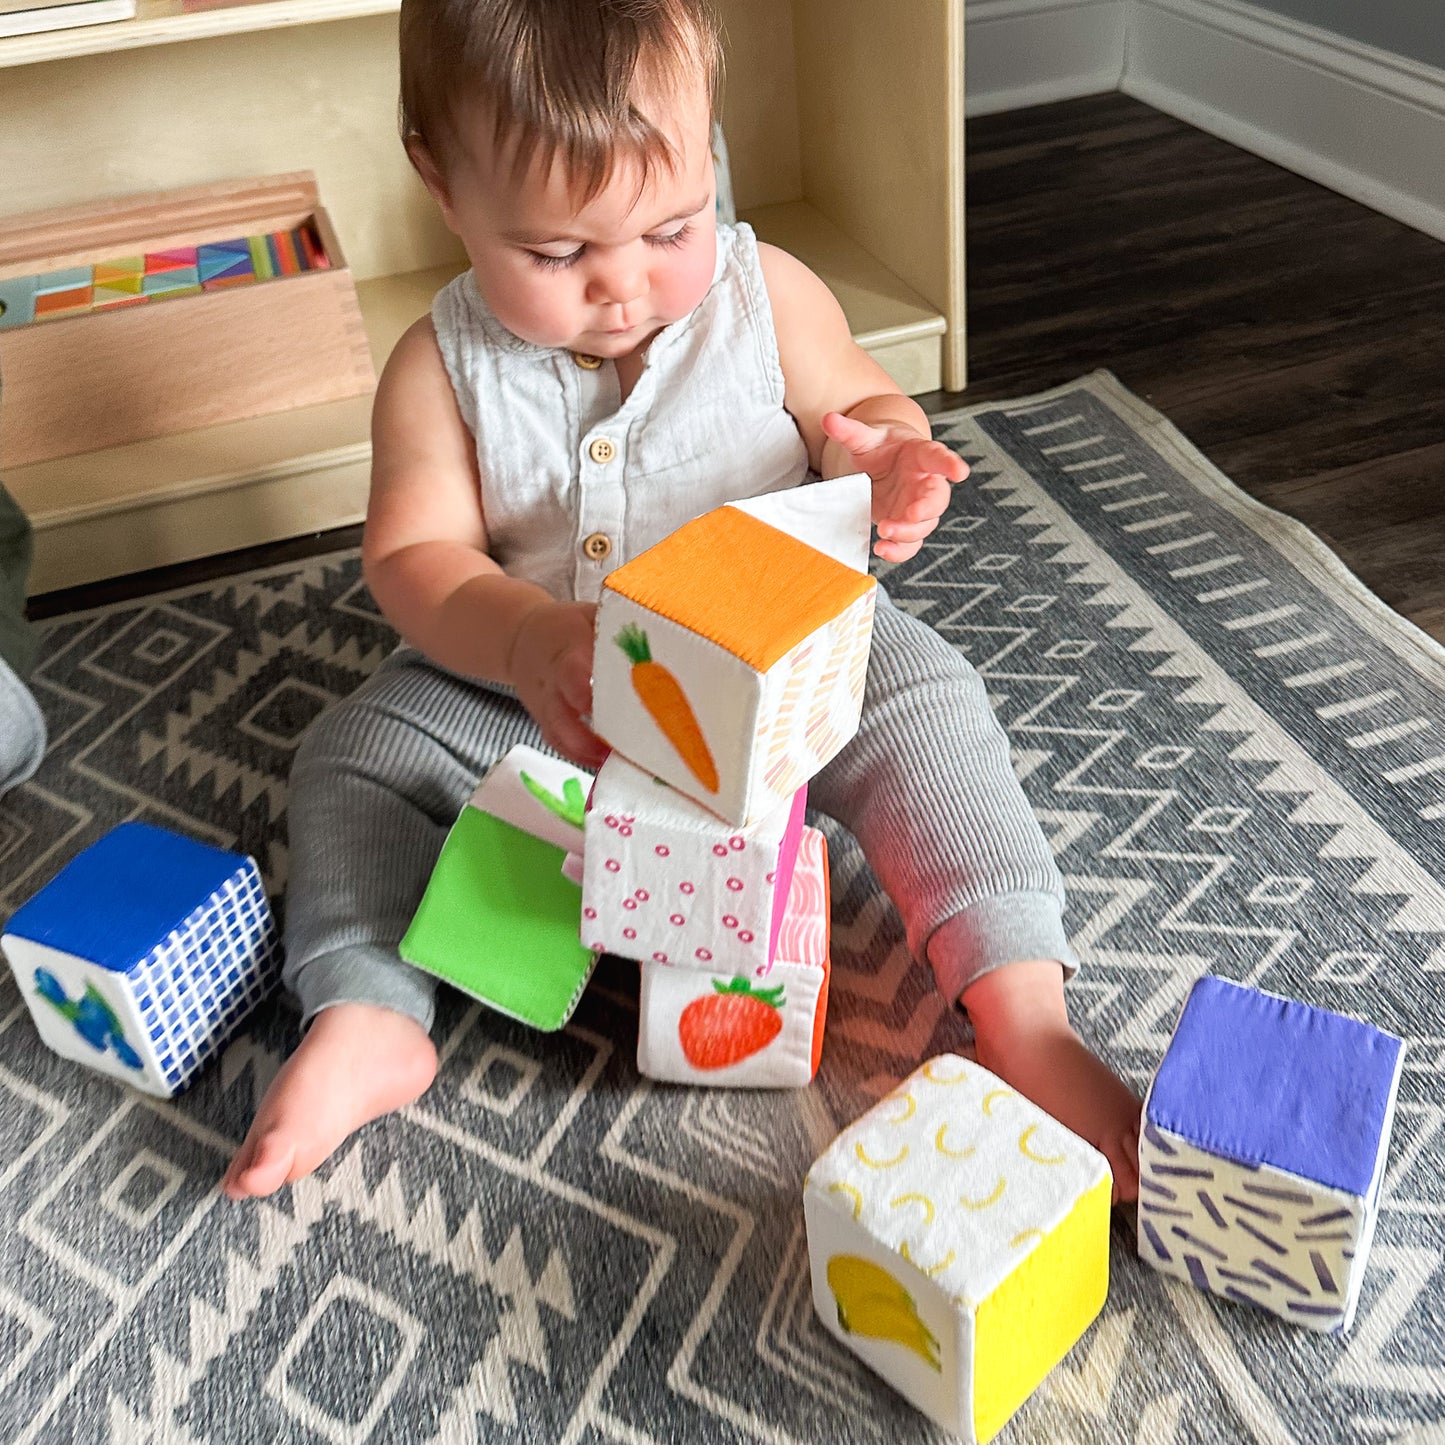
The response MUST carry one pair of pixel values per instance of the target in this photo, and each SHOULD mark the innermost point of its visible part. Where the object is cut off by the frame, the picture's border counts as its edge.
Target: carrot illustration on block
(662, 695)
(744, 615)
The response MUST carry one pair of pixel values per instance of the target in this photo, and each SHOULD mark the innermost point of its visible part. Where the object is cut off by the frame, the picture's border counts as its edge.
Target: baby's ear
(432, 176)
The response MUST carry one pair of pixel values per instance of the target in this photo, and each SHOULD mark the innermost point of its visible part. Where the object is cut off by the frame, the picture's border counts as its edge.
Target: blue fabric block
(1265, 1080)
(121, 897)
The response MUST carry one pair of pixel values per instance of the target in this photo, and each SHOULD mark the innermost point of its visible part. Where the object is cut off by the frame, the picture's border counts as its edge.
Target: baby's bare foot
(355, 1063)
(1024, 1036)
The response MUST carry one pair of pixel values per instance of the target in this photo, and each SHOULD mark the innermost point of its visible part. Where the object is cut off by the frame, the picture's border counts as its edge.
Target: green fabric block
(500, 922)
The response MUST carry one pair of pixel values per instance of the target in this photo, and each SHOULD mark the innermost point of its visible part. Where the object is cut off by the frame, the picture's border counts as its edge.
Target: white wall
(1412, 28)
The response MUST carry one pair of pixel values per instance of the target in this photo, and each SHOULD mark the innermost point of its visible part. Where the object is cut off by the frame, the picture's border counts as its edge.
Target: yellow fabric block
(750, 588)
(959, 1242)
(1018, 1338)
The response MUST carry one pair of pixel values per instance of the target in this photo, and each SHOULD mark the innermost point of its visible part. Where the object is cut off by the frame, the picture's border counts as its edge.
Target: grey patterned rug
(1239, 757)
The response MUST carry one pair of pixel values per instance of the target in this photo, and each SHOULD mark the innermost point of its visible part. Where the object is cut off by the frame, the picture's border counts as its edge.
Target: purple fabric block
(1259, 1079)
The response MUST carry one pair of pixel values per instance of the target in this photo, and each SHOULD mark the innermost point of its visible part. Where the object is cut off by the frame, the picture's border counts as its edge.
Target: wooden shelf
(106, 513)
(887, 317)
(855, 166)
(190, 494)
(164, 22)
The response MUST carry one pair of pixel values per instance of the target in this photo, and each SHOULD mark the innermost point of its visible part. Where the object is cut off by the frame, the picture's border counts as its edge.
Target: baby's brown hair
(559, 79)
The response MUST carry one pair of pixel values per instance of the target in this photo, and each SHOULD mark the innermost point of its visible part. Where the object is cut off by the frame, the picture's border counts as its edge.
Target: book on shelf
(26, 17)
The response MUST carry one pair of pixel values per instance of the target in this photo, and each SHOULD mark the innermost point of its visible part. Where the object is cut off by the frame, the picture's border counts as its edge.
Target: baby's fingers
(567, 734)
(906, 531)
(574, 682)
(933, 459)
(927, 500)
(898, 541)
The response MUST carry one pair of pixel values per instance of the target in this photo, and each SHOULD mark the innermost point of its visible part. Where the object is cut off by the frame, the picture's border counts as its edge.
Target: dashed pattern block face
(1259, 1236)
(959, 1241)
(1266, 1132)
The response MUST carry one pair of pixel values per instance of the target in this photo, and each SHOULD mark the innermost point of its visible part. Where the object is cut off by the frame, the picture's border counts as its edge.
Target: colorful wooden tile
(314, 253)
(17, 301)
(67, 280)
(214, 261)
(107, 298)
(263, 263)
(120, 268)
(132, 283)
(62, 303)
(159, 262)
(164, 282)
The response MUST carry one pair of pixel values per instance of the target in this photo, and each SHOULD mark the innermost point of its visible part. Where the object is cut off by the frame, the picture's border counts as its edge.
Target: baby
(613, 364)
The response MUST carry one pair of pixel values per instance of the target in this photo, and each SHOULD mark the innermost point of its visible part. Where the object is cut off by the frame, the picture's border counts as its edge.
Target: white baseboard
(1364, 122)
(1030, 52)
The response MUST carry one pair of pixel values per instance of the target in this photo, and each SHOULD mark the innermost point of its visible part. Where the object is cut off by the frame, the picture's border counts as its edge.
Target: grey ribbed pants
(925, 786)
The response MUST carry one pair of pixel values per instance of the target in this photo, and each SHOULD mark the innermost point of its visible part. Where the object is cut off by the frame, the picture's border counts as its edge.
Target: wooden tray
(103, 378)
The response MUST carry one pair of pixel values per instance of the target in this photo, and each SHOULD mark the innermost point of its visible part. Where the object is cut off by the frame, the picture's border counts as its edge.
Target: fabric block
(144, 954)
(499, 920)
(723, 1030)
(1266, 1131)
(959, 1243)
(666, 880)
(731, 656)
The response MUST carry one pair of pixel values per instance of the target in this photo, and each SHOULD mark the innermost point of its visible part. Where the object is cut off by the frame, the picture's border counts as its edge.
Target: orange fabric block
(778, 590)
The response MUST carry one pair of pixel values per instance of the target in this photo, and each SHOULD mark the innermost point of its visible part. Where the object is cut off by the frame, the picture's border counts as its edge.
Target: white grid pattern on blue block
(198, 983)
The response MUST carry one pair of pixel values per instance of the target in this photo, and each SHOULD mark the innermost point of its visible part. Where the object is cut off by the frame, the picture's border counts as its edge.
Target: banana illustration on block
(958, 1221)
(872, 1303)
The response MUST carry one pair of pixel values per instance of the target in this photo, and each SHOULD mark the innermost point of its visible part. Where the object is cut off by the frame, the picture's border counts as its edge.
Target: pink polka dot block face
(734, 1030)
(666, 881)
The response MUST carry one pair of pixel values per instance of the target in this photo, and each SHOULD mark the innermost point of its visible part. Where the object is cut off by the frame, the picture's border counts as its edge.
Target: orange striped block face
(730, 661)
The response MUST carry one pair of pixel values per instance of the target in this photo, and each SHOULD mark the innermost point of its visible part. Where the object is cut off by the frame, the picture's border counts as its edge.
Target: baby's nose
(618, 286)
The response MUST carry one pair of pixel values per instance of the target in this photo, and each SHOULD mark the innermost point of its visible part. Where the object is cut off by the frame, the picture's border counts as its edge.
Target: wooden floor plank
(1291, 334)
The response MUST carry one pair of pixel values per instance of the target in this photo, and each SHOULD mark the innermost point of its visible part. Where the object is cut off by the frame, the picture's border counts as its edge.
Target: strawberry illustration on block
(731, 656)
(666, 881)
(698, 1026)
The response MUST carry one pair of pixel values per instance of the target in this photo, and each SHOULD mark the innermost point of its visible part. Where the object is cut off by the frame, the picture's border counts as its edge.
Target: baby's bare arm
(824, 369)
(426, 559)
(424, 548)
(851, 413)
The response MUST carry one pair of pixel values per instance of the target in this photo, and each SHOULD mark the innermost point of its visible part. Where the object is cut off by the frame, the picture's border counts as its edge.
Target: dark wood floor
(1297, 338)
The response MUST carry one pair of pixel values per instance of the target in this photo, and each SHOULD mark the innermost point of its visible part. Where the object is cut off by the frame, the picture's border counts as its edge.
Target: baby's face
(603, 278)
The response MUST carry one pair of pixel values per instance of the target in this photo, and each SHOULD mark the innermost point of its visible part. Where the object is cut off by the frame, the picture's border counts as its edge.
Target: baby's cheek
(685, 282)
(532, 306)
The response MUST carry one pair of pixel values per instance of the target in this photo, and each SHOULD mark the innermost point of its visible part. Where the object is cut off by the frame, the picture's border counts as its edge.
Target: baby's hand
(911, 480)
(552, 672)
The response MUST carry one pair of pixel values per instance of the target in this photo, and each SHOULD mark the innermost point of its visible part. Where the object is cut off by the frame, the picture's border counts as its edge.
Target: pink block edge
(787, 861)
